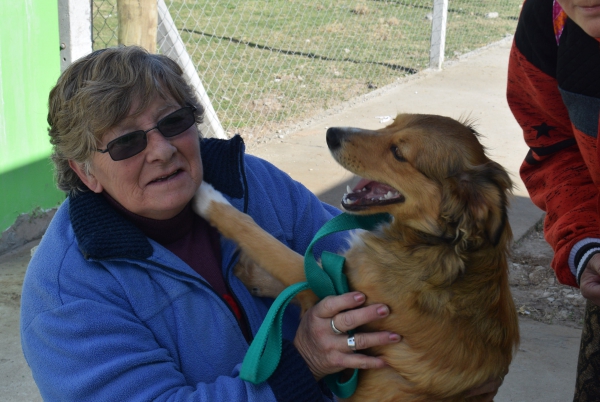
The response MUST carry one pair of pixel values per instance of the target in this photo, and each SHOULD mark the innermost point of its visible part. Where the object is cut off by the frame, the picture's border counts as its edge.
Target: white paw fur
(206, 195)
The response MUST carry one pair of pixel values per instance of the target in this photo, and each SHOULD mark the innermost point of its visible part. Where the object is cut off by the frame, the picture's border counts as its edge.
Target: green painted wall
(29, 67)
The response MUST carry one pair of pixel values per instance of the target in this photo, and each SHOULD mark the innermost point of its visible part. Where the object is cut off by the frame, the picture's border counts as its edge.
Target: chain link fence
(269, 64)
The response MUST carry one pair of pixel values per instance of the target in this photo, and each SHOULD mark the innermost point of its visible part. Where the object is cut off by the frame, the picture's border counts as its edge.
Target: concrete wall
(29, 67)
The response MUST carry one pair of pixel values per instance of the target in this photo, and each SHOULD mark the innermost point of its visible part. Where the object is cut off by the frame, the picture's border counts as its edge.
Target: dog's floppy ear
(474, 205)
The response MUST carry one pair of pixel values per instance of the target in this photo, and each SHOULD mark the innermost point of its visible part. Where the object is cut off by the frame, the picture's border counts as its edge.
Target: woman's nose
(159, 147)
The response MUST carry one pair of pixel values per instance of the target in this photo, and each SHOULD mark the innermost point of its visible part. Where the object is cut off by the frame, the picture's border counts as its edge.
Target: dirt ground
(536, 292)
(16, 383)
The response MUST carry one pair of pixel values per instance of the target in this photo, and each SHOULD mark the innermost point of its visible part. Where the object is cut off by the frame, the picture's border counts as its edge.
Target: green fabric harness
(264, 353)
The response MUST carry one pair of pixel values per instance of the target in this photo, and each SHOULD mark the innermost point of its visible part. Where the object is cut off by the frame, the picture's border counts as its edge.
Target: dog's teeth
(348, 189)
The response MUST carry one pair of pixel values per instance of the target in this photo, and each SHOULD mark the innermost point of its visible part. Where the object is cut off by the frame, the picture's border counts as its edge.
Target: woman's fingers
(327, 351)
(362, 341)
(344, 312)
(352, 319)
(590, 280)
(331, 305)
(366, 340)
(359, 361)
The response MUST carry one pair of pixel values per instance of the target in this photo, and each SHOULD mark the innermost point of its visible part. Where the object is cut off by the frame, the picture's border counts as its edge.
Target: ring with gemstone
(351, 343)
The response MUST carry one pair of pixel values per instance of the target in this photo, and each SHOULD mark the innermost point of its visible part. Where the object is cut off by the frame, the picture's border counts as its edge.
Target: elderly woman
(130, 295)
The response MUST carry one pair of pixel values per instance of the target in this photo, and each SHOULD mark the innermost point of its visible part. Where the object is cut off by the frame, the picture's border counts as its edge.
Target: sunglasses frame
(145, 134)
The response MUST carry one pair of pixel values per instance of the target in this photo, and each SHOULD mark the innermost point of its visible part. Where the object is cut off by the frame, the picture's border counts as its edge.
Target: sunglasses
(133, 143)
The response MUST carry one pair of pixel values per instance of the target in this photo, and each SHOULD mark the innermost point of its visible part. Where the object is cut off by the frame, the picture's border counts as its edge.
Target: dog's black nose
(334, 138)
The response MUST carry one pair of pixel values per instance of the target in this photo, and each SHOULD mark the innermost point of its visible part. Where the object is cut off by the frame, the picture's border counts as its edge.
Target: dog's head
(430, 172)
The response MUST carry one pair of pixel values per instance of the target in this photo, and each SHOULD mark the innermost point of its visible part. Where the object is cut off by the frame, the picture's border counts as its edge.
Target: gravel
(537, 293)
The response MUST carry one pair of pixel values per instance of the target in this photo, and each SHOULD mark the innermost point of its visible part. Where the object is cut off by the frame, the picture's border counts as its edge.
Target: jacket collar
(223, 165)
(103, 233)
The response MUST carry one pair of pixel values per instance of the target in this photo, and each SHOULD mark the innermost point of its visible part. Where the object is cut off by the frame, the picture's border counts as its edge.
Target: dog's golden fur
(440, 265)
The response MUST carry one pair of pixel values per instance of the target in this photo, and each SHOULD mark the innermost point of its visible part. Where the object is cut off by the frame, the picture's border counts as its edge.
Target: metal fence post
(75, 30)
(171, 44)
(438, 34)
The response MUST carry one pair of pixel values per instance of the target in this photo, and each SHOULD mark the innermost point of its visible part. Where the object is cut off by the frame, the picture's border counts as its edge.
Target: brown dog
(440, 265)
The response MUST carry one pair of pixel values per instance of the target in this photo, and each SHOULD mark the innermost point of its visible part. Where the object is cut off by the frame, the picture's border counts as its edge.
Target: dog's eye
(398, 154)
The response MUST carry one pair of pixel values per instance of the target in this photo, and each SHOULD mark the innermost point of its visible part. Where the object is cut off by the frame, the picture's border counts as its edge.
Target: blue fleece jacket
(110, 315)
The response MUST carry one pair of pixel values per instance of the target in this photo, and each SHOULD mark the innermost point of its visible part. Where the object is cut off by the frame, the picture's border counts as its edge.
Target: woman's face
(585, 13)
(158, 182)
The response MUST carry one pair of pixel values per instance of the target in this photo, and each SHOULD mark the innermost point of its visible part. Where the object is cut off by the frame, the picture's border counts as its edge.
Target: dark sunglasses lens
(177, 122)
(127, 145)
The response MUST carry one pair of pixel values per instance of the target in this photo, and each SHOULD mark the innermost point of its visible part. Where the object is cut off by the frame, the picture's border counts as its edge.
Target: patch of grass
(268, 64)
(36, 212)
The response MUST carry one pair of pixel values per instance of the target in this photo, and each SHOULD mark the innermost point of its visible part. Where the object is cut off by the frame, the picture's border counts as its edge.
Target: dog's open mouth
(368, 193)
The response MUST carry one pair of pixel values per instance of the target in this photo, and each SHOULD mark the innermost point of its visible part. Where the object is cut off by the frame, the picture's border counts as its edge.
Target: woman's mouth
(590, 9)
(166, 177)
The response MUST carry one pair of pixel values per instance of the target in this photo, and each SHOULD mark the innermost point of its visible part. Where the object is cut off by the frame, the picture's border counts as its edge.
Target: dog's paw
(206, 195)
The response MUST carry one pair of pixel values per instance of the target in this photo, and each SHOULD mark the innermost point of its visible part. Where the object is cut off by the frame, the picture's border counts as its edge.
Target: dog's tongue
(369, 192)
(372, 189)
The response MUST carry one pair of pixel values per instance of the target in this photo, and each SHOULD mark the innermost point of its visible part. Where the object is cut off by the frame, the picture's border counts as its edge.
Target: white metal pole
(75, 30)
(171, 44)
(438, 34)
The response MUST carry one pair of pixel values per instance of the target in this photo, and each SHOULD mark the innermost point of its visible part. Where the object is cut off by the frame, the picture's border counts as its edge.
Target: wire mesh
(267, 65)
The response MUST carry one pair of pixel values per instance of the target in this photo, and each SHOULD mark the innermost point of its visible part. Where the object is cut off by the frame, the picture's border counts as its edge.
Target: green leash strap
(322, 280)
(264, 353)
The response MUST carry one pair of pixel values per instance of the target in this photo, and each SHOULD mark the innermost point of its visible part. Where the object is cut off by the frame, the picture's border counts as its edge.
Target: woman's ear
(85, 176)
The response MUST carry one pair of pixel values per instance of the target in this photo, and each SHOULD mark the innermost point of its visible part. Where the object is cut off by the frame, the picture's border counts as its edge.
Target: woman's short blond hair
(98, 91)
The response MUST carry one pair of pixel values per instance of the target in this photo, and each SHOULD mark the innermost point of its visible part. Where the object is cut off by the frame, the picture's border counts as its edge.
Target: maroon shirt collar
(162, 231)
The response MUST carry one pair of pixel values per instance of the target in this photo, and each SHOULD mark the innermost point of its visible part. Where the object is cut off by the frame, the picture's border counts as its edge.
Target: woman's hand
(326, 352)
(590, 280)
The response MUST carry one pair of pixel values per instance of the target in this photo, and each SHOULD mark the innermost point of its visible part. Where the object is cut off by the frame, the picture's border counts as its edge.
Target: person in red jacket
(554, 94)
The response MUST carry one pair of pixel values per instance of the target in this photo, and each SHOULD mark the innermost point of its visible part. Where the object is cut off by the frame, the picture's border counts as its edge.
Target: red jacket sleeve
(554, 171)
